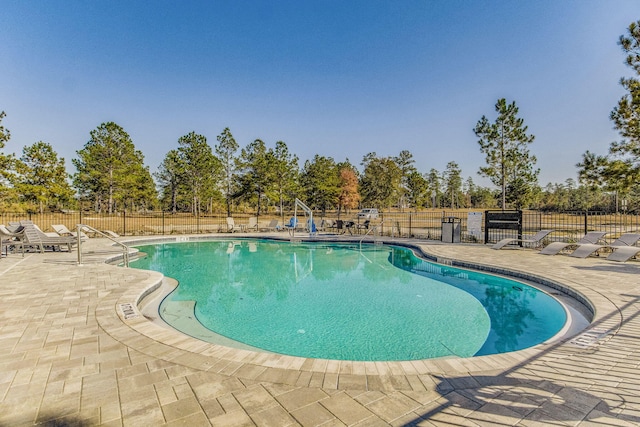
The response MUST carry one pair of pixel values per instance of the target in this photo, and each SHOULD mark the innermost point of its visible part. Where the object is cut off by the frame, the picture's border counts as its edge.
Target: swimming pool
(340, 301)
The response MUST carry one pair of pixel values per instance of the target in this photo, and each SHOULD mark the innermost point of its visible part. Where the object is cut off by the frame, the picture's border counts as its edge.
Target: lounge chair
(623, 253)
(232, 226)
(111, 233)
(63, 231)
(253, 224)
(554, 248)
(326, 224)
(273, 226)
(10, 239)
(535, 240)
(625, 241)
(28, 222)
(350, 225)
(364, 226)
(34, 237)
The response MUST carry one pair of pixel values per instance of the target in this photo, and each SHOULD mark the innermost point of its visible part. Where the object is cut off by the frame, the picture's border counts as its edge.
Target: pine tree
(505, 144)
(110, 171)
(42, 177)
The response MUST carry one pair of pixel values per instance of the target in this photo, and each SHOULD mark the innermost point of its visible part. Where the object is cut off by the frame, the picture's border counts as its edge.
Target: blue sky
(335, 78)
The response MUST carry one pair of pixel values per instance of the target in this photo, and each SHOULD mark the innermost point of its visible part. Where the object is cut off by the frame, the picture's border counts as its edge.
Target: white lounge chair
(232, 226)
(273, 226)
(624, 241)
(33, 236)
(111, 233)
(535, 240)
(253, 224)
(62, 230)
(10, 239)
(623, 253)
(554, 248)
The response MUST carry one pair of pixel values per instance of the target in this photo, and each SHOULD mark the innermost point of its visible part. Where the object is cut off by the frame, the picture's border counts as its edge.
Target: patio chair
(535, 240)
(350, 225)
(28, 222)
(555, 247)
(110, 233)
(624, 241)
(232, 227)
(62, 230)
(292, 225)
(272, 226)
(253, 224)
(623, 253)
(34, 237)
(10, 239)
(364, 226)
(326, 224)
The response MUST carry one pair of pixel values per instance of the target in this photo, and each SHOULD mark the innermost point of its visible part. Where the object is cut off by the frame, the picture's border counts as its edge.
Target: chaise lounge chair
(10, 239)
(364, 226)
(627, 240)
(592, 237)
(63, 231)
(232, 226)
(623, 253)
(253, 224)
(36, 238)
(273, 226)
(535, 240)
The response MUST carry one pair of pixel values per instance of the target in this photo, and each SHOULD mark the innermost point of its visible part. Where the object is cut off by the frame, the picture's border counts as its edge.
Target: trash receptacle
(450, 229)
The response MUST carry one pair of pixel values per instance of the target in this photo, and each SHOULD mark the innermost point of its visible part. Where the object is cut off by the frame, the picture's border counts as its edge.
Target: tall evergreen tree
(627, 114)
(226, 151)
(434, 182)
(256, 176)
(417, 188)
(453, 184)
(111, 170)
(285, 173)
(380, 183)
(170, 177)
(619, 171)
(405, 164)
(42, 177)
(320, 179)
(200, 168)
(505, 145)
(6, 162)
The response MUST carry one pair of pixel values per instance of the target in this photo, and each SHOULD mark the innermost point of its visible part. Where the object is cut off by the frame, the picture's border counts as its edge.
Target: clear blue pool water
(337, 301)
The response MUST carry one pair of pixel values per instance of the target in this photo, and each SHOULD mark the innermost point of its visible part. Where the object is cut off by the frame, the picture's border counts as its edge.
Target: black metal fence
(567, 226)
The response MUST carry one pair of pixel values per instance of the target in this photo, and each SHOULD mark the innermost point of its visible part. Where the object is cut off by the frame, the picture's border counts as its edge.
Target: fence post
(586, 220)
(163, 233)
(410, 233)
(486, 227)
(124, 223)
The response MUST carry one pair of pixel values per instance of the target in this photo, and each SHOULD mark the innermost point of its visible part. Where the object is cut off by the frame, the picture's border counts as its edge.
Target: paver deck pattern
(72, 350)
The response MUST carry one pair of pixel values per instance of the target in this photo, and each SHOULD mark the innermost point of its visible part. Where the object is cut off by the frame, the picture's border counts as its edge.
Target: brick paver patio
(73, 350)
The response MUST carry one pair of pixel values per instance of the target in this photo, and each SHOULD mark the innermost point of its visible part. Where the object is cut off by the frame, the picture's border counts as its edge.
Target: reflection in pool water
(338, 301)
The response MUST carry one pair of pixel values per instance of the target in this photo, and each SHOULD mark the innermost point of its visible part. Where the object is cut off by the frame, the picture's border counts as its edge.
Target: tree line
(198, 178)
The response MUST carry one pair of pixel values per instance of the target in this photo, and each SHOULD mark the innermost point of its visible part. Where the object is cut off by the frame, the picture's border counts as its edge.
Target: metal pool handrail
(369, 231)
(125, 248)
